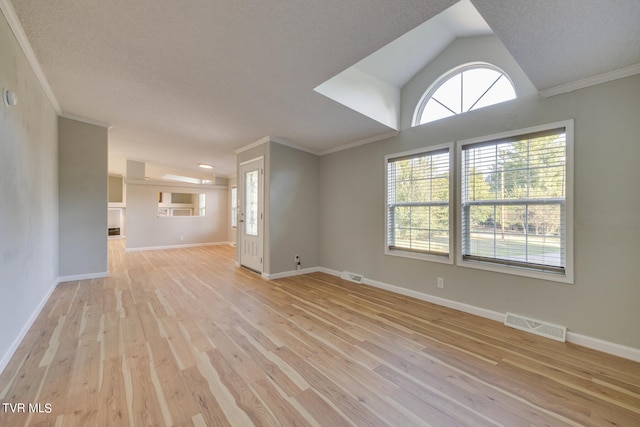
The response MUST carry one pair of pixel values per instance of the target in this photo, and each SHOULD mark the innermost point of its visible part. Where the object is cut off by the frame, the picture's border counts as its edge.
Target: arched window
(463, 89)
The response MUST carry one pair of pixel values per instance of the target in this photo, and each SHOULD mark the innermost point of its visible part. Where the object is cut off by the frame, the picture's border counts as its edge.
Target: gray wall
(146, 230)
(116, 189)
(291, 206)
(28, 195)
(604, 301)
(293, 209)
(83, 194)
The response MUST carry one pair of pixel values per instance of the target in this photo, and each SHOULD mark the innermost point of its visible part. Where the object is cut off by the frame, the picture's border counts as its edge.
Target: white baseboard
(482, 312)
(23, 332)
(83, 277)
(290, 273)
(460, 306)
(188, 245)
(604, 346)
(572, 337)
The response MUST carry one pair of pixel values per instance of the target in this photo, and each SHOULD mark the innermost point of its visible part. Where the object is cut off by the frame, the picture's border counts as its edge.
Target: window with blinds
(513, 201)
(418, 204)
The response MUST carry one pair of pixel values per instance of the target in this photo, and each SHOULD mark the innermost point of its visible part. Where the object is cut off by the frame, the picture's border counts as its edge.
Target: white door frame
(251, 224)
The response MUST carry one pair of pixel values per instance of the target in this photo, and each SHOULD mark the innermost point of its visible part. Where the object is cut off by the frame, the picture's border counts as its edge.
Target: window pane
(234, 206)
(439, 229)
(251, 203)
(440, 189)
(434, 111)
(449, 94)
(500, 92)
(203, 204)
(476, 82)
(403, 217)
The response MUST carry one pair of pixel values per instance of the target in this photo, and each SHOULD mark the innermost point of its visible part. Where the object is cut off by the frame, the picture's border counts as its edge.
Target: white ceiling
(189, 82)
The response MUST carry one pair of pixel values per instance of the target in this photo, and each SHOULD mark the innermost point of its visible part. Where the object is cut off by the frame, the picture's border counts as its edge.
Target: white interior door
(251, 214)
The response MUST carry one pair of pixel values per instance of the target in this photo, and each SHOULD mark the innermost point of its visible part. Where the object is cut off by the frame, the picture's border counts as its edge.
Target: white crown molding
(592, 81)
(347, 146)
(360, 142)
(253, 144)
(85, 120)
(15, 25)
(292, 145)
(280, 141)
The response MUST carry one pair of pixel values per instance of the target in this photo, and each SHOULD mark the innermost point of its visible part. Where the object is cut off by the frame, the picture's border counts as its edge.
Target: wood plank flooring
(182, 337)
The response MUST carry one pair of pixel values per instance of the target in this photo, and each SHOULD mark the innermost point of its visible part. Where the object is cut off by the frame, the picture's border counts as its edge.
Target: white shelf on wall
(115, 221)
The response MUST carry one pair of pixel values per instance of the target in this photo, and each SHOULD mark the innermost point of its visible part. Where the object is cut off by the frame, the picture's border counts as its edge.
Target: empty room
(338, 213)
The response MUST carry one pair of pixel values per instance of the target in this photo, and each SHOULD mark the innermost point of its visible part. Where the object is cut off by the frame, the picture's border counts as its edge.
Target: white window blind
(513, 201)
(418, 214)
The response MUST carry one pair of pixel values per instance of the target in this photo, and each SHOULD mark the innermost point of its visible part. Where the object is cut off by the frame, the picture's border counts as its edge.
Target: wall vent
(353, 277)
(555, 332)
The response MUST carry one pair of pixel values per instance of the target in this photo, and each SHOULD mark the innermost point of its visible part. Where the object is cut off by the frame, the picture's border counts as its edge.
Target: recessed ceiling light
(205, 166)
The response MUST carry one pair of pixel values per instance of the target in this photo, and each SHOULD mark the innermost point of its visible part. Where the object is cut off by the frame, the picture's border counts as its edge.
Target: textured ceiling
(192, 81)
(561, 41)
(392, 63)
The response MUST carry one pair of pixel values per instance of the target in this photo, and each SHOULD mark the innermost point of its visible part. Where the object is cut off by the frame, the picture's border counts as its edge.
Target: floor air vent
(548, 330)
(353, 277)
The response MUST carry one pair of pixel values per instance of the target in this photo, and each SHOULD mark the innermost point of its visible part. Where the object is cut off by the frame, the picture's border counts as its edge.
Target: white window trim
(567, 277)
(416, 255)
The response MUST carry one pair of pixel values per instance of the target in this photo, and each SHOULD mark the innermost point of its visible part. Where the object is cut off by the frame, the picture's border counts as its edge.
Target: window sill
(567, 277)
(420, 256)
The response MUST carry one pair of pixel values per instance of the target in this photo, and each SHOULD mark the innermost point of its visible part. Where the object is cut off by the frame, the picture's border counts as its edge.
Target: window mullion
(462, 92)
(485, 92)
(452, 112)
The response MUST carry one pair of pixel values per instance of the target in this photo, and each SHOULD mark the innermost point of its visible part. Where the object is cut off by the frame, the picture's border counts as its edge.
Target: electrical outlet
(441, 282)
(297, 261)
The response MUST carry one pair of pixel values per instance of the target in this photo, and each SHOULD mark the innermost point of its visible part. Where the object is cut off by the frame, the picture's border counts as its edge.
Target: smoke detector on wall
(9, 98)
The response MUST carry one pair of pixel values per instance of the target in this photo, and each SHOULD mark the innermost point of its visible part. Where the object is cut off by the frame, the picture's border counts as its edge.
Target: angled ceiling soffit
(372, 86)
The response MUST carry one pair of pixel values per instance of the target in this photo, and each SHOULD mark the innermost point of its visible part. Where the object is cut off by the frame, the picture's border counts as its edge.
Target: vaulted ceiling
(187, 82)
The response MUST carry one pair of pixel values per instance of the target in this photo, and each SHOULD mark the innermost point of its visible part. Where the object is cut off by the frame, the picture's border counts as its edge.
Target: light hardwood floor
(183, 337)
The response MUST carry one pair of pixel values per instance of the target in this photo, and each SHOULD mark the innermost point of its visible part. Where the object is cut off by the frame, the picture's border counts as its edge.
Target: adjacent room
(320, 213)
